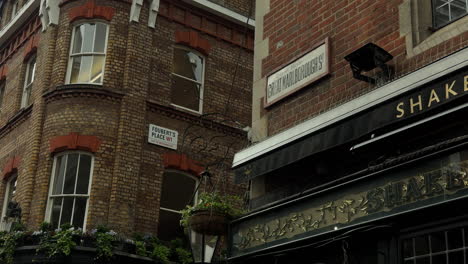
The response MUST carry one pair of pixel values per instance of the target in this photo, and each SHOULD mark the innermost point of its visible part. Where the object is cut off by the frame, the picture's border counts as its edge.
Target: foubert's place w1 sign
(302, 71)
(162, 136)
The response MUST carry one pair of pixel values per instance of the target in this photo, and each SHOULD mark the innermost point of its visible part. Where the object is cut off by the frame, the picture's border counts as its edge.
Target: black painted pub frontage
(386, 185)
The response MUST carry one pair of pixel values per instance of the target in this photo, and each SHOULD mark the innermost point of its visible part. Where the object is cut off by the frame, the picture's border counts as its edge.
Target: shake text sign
(298, 74)
(162, 136)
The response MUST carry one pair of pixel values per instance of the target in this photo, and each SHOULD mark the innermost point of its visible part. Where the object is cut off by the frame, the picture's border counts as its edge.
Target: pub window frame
(430, 231)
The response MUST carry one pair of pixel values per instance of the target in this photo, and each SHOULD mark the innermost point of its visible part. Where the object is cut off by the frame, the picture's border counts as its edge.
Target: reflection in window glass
(88, 53)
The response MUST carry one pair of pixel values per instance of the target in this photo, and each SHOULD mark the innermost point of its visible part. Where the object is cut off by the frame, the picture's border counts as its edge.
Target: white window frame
(195, 198)
(14, 9)
(50, 197)
(27, 88)
(4, 224)
(82, 54)
(449, 4)
(202, 83)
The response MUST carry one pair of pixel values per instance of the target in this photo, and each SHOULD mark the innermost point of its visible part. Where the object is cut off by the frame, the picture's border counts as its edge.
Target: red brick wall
(349, 25)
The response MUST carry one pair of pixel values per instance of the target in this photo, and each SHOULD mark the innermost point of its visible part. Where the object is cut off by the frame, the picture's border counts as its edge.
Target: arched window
(176, 193)
(187, 82)
(69, 189)
(87, 53)
(28, 81)
(10, 192)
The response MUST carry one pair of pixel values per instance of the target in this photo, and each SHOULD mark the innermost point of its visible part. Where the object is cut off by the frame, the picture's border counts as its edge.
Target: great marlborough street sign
(424, 184)
(162, 136)
(302, 71)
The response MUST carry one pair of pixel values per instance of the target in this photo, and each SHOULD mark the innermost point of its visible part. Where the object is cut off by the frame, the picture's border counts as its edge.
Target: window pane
(455, 238)
(56, 208)
(67, 210)
(78, 39)
(83, 174)
(31, 70)
(456, 257)
(96, 71)
(424, 260)
(59, 173)
(101, 32)
(75, 70)
(438, 241)
(79, 214)
(70, 176)
(177, 190)
(185, 93)
(85, 69)
(188, 64)
(88, 39)
(169, 227)
(408, 248)
(421, 245)
(439, 259)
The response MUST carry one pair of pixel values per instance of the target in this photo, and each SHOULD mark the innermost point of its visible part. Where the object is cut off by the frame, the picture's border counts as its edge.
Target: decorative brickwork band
(31, 47)
(11, 167)
(193, 40)
(91, 10)
(3, 72)
(75, 141)
(182, 163)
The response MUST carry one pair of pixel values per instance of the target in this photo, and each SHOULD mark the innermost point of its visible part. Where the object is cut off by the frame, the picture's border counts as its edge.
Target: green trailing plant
(8, 243)
(105, 239)
(160, 254)
(183, 256)
(229, 205)
(60, 243)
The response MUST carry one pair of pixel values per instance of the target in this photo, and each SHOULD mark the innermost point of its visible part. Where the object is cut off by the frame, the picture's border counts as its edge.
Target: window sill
(81, 90)
(183, 109)
(16, 119)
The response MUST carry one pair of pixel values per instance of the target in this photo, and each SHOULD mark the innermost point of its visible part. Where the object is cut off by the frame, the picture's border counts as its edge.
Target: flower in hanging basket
(212, 213)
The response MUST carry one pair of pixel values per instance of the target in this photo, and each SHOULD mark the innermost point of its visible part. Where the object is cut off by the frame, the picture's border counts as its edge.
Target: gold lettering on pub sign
(350, 207)
(416, 103)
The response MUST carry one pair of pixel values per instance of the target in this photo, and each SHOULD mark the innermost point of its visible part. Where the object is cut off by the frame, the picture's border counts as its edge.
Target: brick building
(107, 106)
(359, 118)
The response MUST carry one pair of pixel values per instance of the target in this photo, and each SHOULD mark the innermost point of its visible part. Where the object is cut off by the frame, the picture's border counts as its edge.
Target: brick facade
(292, 27)
(111, 120)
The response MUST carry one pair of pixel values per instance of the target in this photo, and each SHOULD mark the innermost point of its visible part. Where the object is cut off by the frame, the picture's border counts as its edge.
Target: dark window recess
(176, 193)
(328, 167)
(440, 247)
(446, 11)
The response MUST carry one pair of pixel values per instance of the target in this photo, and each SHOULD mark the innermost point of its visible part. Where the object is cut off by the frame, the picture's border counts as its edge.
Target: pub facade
(362, 158)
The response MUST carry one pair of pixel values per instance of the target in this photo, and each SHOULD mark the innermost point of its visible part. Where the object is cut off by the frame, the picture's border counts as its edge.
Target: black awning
(443, 93)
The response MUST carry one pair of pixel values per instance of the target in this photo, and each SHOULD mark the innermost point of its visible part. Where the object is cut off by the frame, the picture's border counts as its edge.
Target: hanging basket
(208, 222)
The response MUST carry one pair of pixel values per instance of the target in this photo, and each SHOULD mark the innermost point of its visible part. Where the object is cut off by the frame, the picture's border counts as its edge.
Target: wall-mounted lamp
(368, 58)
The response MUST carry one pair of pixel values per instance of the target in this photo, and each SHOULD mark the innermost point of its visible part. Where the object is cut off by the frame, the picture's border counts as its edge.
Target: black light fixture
(369, 57)
(203, 246)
